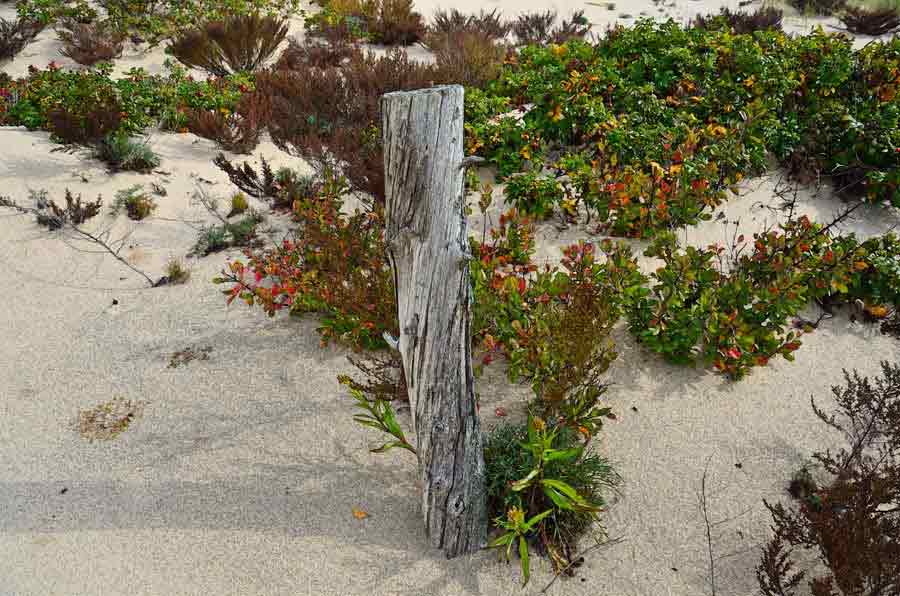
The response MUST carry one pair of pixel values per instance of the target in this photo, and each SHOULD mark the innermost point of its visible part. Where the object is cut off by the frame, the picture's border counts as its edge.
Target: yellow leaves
(525, 152)
(717, 130)
(877, 311)
(657, 170)
(750, 81)
(570, 205)
(613, 159)
(359, 513)
(515, 516)
(556, 114)
(675, 169)
(558, 50)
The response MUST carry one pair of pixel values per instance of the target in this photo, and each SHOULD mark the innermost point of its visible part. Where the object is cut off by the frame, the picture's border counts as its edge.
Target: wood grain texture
(428, 248)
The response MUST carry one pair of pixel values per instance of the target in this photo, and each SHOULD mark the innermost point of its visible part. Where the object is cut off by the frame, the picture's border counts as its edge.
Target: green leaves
(517, 531)
(380, 416)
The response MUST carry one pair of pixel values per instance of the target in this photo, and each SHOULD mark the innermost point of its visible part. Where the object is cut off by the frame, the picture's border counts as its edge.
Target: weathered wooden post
(428, 249)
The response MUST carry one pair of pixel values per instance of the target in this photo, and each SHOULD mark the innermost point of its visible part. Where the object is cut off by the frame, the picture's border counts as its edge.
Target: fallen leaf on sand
(500, 412)
(359, 513)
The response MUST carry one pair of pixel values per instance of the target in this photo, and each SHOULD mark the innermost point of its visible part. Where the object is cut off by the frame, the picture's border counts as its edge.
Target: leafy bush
(154, 20)
(333, 265)
(125, 153)
(733, 311)
(130, 103)
(236, 44)
(851, 523)
(89, 43)
(722, 105)
(135, 201)
(49, 11)
(534, 194)
(15, 35)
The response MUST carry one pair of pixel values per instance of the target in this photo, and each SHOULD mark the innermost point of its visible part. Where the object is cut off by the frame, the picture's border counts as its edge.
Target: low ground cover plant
(153, 21)
(387, 22)
(723, 104)
(733, 307)
(86, 106)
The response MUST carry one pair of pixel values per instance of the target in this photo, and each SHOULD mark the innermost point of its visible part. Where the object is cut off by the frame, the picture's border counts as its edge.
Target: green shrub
(537, 470)
(534, 194)
(124, 153)
(136, 203)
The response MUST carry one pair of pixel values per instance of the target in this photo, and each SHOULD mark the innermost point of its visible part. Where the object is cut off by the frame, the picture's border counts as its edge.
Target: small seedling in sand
(238, 204)
(108, 420)
(176, 273)
(135, 201)
(188, 354)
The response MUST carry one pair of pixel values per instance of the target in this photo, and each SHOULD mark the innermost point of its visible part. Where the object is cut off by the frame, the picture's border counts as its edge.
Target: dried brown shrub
(236, 131)
(332, 50)
(85, 124)
(330, 116)
(89, 43)
(393, 22)
(15, 35)
(75, 212)
(382, 376)
(820, 7)
(238, 44)
(763, 18)
(536, 28)
(871, 21)
(469, 58)
(489, 24)
(853, 522)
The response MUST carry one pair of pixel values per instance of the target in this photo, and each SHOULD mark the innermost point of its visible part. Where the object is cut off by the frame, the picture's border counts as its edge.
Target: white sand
(240, 476)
